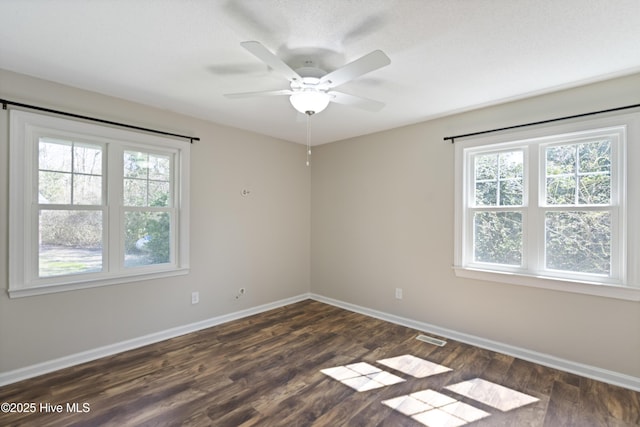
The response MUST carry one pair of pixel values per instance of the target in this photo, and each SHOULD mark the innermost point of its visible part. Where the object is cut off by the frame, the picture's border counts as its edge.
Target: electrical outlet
(398, 293)
(195, 297)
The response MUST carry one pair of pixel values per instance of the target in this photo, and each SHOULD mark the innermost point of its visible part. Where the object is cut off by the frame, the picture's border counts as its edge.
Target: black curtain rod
(6, 102)
(557, 119)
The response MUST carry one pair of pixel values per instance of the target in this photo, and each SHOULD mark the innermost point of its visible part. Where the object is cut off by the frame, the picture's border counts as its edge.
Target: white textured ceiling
(446, 55)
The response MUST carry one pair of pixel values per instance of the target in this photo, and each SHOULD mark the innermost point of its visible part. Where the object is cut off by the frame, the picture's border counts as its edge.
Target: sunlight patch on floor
(414, 366)
(362, 376)
(494, 395)
(429, 407)
(434, 409)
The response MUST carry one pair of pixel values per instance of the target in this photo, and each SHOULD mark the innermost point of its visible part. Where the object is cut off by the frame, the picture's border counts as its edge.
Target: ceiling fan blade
(262, 93)
(370, 62)
(369, 25)
(356, 101)
(271, 60)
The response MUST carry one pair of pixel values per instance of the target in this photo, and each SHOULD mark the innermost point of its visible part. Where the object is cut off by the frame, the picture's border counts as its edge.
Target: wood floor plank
(563, 405)
(266, 370)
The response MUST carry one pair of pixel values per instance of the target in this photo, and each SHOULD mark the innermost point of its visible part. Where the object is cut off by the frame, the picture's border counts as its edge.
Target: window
(92, 205)
(550, 208)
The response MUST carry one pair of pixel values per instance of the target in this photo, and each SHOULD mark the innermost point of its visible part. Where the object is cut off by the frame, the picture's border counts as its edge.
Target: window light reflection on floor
(362, 376)
(434, 409)
(429, 407)
(494, 395)
(414, 366)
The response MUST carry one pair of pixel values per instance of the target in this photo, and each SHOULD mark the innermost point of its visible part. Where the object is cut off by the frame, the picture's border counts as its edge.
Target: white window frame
(26, 128)
(624, 281)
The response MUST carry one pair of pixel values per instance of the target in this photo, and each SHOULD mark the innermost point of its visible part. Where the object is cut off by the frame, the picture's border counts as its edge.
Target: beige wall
(260, 242)
(382, 217)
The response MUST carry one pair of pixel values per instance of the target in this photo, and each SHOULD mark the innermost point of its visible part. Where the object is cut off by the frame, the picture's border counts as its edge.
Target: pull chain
(308, 114)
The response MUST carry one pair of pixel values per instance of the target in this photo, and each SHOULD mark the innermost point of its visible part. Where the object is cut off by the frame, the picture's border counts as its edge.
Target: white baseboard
(599, 374)
(108, 350)
(595, 373)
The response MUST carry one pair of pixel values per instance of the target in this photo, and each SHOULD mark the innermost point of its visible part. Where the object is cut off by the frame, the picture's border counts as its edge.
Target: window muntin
(575, 225)
(83, 195)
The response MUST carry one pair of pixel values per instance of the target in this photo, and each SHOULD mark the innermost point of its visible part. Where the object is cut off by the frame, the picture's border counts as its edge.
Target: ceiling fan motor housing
(308, 96)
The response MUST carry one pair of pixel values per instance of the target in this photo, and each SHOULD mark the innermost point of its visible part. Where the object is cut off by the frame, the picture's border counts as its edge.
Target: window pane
(561, 160)
(486, 167)
(54, 177)
(486, 193)
(54, 188)
(595, 190)
(561, 190)
(135, 192)
(158, 193)
(498, 237)
(159, 167)
(54, 155)
(578, 241)
(87, 159)
(595, 156)
(511, 164)
(486, 180)
(147, 238)
(511, 192)
(135, 164)
(595, 173)
(87, 190)
(498, 179)
(560, 167)
(70, 242)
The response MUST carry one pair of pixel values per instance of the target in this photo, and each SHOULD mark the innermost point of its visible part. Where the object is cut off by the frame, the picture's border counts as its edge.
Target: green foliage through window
(147, 179)
(498, 237)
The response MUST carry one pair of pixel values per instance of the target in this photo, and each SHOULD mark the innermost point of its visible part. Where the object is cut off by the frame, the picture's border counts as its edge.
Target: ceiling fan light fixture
(310, 101)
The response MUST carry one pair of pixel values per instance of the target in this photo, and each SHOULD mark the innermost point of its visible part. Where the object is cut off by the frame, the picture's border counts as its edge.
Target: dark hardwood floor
(266, 370)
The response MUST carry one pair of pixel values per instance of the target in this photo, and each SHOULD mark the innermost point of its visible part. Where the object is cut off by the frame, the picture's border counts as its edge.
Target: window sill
(71, 286)
(601, 290)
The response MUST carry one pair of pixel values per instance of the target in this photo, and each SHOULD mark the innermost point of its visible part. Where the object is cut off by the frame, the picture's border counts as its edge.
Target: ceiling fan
(311, 88)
